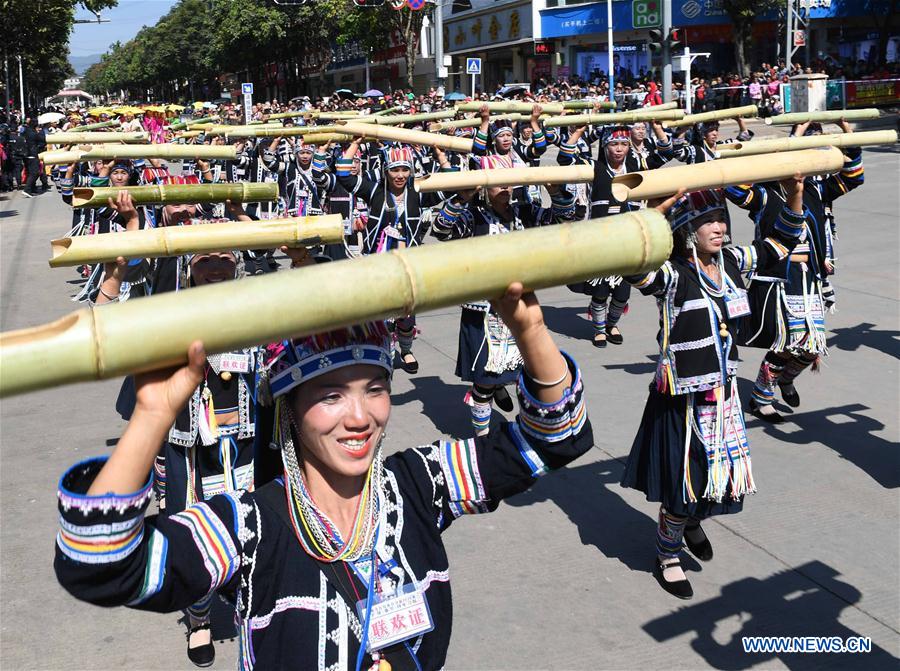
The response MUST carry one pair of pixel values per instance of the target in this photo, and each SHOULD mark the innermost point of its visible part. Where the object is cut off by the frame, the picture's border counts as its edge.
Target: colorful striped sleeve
(480, 143)
(446, 224)
(540, 140)
(320, 162)
(851, 175)
(109, 554)
(567, 153)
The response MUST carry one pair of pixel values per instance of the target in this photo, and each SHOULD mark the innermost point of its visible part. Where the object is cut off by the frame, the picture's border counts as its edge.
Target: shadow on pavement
(442, 403)
(802, 601)
(569, 321)
(8, 213)
(603, 518)
(849, 339)
(639, 368)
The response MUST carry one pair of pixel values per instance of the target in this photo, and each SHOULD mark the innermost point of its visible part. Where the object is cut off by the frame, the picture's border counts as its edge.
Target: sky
(126, 19)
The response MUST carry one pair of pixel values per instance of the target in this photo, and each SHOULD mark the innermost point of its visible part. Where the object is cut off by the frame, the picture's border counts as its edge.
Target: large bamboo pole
(861, 139)
(510, 106)
(270, 131)
(152, 243)
(285, 115)
(378, 132)
(335, 116)
(717, 174)
(389, 110)
(97, 138)
(325, 138)
(664, 106)
(185, 125)
(715, 115)
(128, 151)
(398, 119)
(474, 122)
(114, 123)
(172, 194)
(645, 114)
(155, 332)
(461, 181)
(588, 105)
(832, 116)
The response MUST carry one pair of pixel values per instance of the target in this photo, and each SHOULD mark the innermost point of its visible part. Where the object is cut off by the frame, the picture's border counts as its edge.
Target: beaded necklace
(318, 535)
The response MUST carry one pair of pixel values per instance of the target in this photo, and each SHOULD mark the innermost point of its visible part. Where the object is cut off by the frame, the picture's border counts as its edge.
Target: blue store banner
(591, 18)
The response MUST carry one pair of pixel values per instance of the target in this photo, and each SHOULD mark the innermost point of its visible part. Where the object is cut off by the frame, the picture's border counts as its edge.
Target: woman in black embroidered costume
(308, 557)
(691, 453)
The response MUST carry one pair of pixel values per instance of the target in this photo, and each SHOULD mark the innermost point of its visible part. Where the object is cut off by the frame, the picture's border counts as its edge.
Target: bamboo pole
(389, 110)
(97, 138)
(474, 122)
(461, 181)
(335, 116)
(715, 115)
(325, 138)
(189, 133)
(648, 184)
(588, 105)
(831, 116)
(155, 332)
(663, 106)
(270, 131)
(510, 106)
(397, 119)
(172, 194)
(861, 139)
(152, 243)
(285, 115)
(108, 152)
(114, 123)
(186, 125)
(646, 114)
(378, 132)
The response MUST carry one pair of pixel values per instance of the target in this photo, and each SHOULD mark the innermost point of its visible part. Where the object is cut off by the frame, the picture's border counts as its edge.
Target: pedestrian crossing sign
(473, 66)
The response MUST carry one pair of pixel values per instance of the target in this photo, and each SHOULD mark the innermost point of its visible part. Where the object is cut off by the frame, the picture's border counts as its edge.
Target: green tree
(743, 14)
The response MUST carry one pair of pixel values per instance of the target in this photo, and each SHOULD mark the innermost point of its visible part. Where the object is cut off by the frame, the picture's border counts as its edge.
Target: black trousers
(33, 167)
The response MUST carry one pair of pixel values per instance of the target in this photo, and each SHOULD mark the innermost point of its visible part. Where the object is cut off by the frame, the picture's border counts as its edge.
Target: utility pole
(789, 36)
(609, 46)
(666, 51)
(21, 88)
(439, 44)
(6, 92)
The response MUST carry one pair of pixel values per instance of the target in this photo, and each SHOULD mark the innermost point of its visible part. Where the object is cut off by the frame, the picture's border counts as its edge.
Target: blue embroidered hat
(694, 204)
(294, 362)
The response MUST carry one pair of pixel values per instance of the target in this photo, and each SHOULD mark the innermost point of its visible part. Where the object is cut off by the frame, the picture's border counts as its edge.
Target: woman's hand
(485, 113)
(663, 206)
(299, 256)
(519, 310)
(161, 394)
(124, 205)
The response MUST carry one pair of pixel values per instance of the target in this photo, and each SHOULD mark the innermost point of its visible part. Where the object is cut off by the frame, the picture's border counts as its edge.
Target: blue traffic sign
(247, 88)
(473, 66)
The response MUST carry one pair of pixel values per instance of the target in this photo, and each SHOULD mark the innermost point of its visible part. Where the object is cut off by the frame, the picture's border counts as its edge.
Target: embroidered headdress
(693, 205)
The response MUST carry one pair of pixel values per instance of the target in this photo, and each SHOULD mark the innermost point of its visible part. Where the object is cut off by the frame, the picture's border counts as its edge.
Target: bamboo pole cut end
(58, 248)
(82, 196)
(623, 184)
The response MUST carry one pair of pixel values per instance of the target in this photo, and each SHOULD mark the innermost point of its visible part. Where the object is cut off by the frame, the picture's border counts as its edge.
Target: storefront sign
(646, 13)
(505, 24)
(875, 92)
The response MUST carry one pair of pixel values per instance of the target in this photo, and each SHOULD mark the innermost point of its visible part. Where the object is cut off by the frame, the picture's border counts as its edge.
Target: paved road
(559, 577)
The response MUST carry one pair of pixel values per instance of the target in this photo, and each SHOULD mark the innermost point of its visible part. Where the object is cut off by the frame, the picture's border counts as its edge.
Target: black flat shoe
(411, 367)
(503, 399)
(600, 340)
(614, 338)
(792, 398)
(202, 655)
(680, 588)
(701, 549)
(773, 418)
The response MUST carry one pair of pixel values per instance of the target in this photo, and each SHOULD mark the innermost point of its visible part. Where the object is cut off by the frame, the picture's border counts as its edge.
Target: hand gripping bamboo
(717, 174)
(715, 115)
(172, 194)
(108, 152)
(97, 138)
(469, 179)
(155, 332)
(646, 114)
(861, 139)
(152, 243)
(832, 116)
(371, 130)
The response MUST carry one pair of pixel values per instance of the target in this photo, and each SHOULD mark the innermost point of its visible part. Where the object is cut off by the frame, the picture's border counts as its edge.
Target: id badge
(737, 304)
(392, 232)
(235, 363)
(396, 618)
(348, 227)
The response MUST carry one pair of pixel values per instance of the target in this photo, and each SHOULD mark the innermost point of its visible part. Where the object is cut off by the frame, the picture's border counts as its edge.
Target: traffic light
(674, 39)
(656, 39)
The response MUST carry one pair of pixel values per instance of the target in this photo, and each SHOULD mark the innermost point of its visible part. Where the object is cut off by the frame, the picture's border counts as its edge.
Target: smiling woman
(340, 557)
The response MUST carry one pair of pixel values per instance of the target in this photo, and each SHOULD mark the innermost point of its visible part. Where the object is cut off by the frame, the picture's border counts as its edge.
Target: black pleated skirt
(472, 353)
(656, 463)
